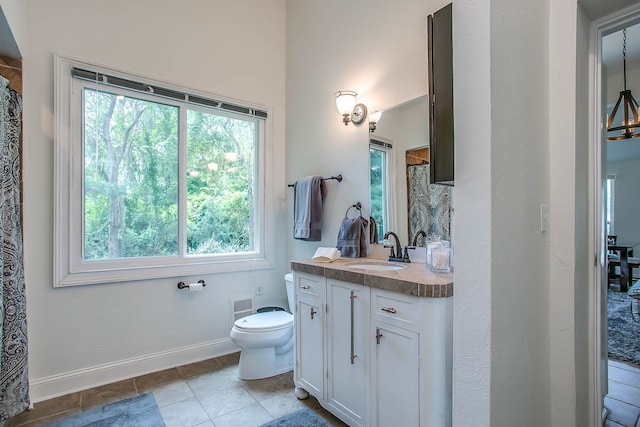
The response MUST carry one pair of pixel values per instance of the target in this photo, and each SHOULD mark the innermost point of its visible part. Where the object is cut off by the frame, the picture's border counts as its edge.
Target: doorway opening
(619, 178)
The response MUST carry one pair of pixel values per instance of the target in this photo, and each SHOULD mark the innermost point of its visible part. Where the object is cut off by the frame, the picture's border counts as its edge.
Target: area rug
(624, 331)
(138, 411)
(302, 418)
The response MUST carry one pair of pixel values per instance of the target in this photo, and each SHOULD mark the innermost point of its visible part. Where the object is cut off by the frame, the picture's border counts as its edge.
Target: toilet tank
(288, 280)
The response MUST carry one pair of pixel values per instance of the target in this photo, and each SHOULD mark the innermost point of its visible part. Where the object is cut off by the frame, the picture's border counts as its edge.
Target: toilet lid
(265, 321)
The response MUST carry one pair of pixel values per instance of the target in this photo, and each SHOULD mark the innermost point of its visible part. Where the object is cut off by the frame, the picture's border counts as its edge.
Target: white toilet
(266, 341)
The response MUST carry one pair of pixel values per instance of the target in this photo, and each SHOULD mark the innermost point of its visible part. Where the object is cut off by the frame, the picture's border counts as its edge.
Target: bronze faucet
(418, 233)
(397, 255)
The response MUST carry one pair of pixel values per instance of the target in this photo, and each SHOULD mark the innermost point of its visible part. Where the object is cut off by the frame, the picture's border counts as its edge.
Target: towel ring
(357, 206)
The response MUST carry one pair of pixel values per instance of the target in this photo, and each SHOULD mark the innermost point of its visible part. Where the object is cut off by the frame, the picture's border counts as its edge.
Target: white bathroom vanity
(374, 345)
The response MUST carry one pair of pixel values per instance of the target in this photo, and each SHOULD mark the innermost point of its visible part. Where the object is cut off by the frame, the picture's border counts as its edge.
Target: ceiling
(8, 46)
(599, 8)
(612, 49)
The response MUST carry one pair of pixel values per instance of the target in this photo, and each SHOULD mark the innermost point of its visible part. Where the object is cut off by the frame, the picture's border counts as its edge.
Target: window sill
(133, 274)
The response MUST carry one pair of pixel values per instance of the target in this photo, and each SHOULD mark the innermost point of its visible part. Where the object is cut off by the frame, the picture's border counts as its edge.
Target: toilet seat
(264, 322)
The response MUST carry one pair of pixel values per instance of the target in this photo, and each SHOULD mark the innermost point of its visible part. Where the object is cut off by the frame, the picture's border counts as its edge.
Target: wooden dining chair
(621, 266)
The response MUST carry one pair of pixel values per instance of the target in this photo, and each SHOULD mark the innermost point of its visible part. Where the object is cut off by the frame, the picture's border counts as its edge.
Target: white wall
(568, 195)
(472, 303)
(627, 203)
(583, 305)
(501, 301)
(615, 78)
(624, 160)
(86, 335)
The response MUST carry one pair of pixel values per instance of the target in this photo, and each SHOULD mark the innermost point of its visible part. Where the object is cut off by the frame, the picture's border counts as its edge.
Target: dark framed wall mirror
(402, 198)
(412, 149)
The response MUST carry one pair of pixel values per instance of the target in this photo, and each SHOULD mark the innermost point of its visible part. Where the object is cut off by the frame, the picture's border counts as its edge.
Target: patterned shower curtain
(14, 380)
(429, 204)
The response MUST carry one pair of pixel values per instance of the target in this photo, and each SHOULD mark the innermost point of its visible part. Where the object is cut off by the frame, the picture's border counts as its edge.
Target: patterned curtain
(429, 204)
(14, 380)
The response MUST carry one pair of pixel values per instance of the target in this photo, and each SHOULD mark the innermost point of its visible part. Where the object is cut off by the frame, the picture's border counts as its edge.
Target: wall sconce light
(374, 118)
(349, 110)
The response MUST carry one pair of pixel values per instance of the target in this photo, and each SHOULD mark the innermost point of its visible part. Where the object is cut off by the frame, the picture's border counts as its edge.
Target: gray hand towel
(309, 192)
(349, 238)
(373, 231)
(364, 237)
(302, 208)
(318, 193)
(352, 237)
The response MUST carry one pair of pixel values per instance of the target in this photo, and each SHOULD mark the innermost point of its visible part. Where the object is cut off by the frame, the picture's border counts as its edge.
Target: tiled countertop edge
(414, 280)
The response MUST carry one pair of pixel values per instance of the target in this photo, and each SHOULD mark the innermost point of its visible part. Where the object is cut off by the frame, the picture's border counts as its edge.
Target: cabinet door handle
(389, 310)
(378, 335)
(352, 356)
(313, 312)
(304, 286)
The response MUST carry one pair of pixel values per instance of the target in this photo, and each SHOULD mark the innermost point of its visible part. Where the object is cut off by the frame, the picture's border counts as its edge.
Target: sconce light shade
(345, 101)
(374, 118)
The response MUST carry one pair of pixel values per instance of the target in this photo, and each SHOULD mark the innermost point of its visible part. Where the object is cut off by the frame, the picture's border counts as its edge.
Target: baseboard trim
(82, 379)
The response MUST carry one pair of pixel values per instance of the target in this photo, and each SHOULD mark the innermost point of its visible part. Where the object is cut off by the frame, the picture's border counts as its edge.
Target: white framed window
(610, 203)
(154, 180)
(380, 164)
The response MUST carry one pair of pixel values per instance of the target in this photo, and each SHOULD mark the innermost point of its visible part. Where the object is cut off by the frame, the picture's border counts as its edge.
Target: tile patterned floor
(203, 394)
(623, 399)
(208, 394)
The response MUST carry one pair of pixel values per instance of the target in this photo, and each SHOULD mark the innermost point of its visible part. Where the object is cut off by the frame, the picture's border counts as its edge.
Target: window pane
(378, 164)
(220, 183)
(610, 205)
(130, 177)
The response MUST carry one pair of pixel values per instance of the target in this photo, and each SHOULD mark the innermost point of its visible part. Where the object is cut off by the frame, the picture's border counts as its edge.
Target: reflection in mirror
(411, 203)
(428, 204)
(379, 154)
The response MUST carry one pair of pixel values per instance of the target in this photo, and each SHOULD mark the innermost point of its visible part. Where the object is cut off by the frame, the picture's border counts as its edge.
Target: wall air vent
(241, 306)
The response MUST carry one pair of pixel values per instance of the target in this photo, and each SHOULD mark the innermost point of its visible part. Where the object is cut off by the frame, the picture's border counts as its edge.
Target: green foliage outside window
(377, 162)
(132, 186)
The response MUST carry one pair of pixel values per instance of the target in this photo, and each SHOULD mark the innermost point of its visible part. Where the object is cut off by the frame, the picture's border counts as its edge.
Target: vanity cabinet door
(309, 318)
(347, 349)
(395, 376)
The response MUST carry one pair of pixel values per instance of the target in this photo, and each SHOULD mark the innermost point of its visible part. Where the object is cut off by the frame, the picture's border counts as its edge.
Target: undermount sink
(377, 266)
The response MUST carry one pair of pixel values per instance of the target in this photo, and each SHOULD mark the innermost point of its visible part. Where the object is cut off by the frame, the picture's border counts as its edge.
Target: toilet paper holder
(182, 285)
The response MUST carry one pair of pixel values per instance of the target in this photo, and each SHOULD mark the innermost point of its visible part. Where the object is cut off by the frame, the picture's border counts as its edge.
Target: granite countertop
(416, 279)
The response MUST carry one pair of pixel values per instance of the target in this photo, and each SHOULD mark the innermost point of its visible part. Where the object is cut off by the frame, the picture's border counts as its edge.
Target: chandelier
(630, 105)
